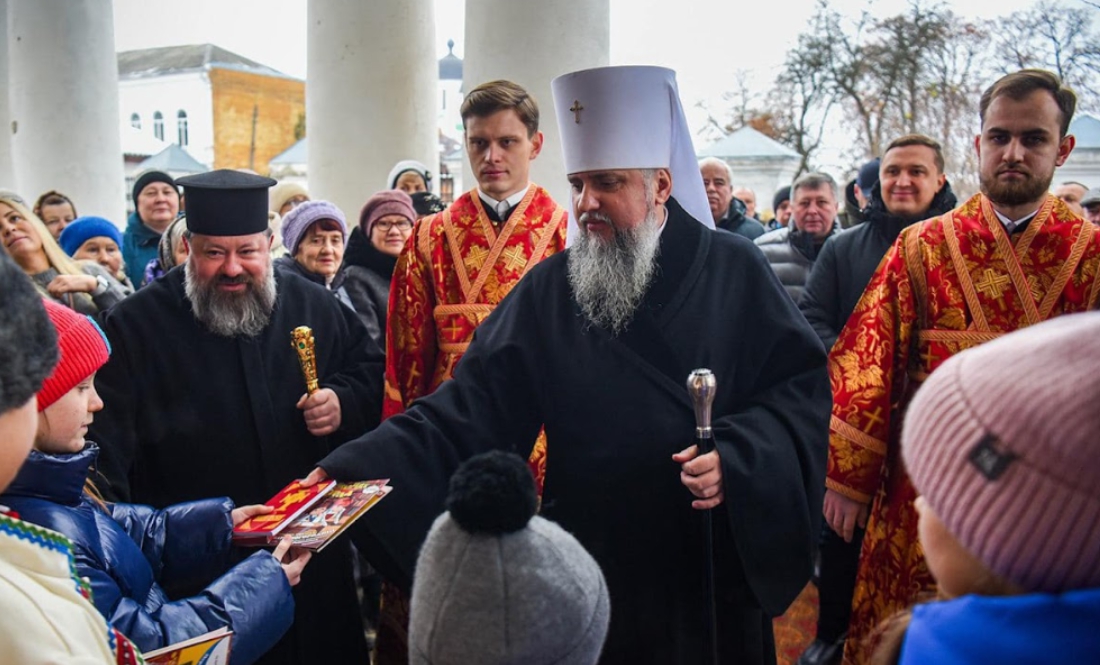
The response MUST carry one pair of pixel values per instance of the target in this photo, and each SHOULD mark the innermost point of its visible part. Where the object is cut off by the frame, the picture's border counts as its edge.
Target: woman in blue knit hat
(96, 239)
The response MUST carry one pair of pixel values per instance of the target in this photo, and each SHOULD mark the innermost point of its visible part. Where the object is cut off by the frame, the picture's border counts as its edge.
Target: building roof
(140, 143)
(450, 65)
(172, 159)
(1086, 129)
(144, 63)
(748, 143)
(295, 154)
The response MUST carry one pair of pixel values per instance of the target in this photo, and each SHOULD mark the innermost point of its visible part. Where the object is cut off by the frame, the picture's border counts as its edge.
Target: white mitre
(629, 118)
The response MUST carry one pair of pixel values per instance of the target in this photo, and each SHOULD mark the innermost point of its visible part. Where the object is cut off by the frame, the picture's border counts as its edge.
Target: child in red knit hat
(128, 552)
(48, 617)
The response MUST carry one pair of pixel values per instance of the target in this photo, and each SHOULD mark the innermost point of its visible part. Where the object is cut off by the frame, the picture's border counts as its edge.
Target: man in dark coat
(792, 250)
(911, 187)
(595, 344)
(728, 210)
(204, 395)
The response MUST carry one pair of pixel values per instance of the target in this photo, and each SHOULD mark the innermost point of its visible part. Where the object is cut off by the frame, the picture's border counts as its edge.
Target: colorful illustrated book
(208, 649)
(328, 516)
(291, 502)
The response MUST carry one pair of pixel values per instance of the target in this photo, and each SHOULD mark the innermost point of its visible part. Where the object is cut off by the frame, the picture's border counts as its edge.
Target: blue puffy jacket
(1031, 629)
(129, 552)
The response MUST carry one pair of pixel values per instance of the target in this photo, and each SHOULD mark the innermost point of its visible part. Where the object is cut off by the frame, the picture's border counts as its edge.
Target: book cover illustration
(289, 503)
(330, 516)
(208, 649)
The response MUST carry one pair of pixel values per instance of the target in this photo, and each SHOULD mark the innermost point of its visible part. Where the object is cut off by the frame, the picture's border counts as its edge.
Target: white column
(63, 94)
(370, 95)
(7, 169)
(530, 43)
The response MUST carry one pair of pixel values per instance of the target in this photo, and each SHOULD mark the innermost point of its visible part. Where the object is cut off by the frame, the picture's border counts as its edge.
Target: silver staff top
(701, 385)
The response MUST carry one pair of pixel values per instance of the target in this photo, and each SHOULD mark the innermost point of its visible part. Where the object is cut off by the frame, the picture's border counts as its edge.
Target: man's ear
(1065, 146)
(536, 143)
(662, 183)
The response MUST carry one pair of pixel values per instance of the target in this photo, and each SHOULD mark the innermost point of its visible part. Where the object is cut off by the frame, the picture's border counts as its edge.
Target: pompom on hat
(494, 584)
(1003, 441)
(83, 348)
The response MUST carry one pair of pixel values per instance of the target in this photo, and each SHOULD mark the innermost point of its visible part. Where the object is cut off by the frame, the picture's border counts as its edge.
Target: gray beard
(231, 314)
(609, 279)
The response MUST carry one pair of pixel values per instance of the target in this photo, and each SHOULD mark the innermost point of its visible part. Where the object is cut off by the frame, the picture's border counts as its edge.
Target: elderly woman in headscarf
(314, 233)
(85, 286)
(410, 176)
(171, 251)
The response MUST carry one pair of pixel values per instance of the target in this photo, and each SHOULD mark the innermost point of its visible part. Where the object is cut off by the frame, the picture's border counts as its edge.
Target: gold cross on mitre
(992, 284)
(576, 109)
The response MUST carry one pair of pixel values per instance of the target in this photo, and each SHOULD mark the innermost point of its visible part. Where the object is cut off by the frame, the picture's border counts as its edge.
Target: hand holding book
(311, 514)
(293, 559)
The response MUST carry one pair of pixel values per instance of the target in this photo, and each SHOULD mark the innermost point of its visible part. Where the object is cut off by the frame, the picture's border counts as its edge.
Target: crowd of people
(903, 414)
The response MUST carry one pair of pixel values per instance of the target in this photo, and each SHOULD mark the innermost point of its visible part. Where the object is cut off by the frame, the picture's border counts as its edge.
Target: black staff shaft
(701, 387)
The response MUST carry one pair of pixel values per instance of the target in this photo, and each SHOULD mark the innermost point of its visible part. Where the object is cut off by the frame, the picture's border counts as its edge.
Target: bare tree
(801, 101)
(740, 107)
(1056, 37)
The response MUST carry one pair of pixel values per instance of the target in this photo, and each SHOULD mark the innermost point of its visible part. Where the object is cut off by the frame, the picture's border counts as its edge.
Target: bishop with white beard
(595, 343)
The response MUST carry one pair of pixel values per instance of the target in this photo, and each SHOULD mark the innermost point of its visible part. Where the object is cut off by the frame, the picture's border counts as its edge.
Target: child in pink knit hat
(1002, 443)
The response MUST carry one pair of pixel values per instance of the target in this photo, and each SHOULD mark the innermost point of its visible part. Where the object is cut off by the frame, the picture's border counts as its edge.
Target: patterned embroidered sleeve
(410, 335)
(867, 372)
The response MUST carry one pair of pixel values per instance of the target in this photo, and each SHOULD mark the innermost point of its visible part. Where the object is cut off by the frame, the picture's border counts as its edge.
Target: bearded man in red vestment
(1010, 257)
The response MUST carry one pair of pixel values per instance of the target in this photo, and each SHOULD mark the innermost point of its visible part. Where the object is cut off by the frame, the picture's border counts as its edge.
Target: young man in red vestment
(459, 264)
(1010, 257)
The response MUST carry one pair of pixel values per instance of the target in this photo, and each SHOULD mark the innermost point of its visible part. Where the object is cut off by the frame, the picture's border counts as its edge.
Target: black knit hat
(784, 194)
(149, 177)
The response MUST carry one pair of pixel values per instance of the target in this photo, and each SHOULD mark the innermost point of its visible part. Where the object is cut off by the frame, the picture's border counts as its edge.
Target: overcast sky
(705, 41)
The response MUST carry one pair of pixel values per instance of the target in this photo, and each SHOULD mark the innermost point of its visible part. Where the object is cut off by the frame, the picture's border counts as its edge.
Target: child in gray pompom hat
(495, 584)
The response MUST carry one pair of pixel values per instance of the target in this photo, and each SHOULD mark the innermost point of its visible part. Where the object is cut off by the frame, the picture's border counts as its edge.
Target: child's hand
(292, 559)
(244, 512)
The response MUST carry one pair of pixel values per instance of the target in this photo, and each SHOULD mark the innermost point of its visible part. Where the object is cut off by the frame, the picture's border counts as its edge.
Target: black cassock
(615, 410)
(189, 415)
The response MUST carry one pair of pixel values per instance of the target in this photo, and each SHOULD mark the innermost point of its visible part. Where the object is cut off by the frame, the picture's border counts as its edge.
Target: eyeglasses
(384, 226)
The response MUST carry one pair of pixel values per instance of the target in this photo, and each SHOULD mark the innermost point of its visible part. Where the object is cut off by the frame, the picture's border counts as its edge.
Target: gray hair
(815, 181)
(714, 161)
(166, 248)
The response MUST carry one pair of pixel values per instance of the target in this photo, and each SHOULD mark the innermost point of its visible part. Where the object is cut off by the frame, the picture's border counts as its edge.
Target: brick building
(225, 110)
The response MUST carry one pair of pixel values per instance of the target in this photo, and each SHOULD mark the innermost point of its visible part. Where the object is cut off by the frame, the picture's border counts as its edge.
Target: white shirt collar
(1010, 225)
(502, 207)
